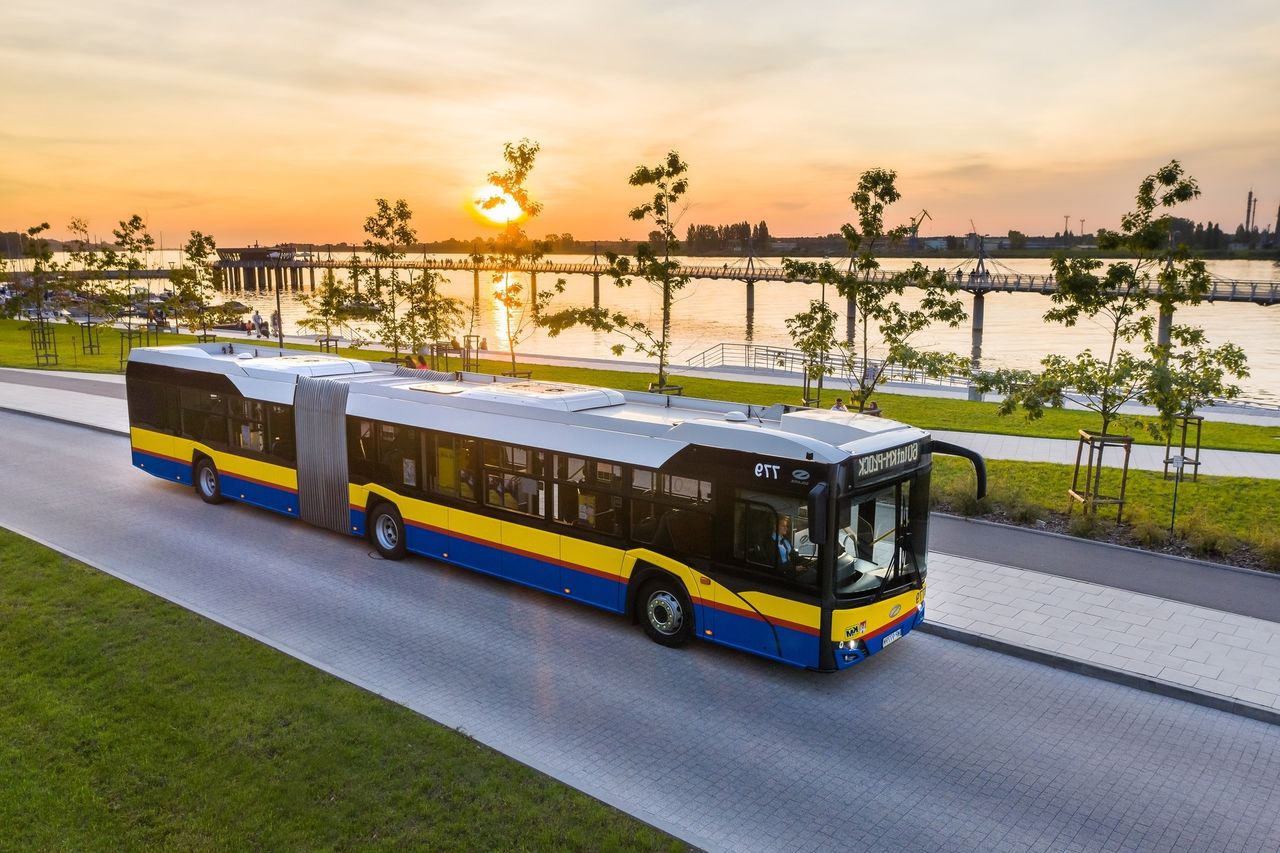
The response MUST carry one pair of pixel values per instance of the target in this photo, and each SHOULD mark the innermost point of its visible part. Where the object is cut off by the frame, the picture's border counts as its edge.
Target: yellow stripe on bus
(873, 615)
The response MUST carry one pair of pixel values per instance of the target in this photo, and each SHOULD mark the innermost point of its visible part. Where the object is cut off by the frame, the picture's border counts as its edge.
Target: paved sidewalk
(1213, 657)
(1216, 658)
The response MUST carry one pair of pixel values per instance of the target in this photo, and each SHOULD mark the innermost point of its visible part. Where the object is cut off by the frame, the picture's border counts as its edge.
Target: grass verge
(127, 722)
(1218, 517)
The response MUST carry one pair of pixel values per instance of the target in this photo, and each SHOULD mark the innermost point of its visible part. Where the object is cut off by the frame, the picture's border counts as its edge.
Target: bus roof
(627, 426)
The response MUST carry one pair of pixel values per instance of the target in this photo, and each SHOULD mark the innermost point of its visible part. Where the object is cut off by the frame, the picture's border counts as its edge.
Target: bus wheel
(665, 613)
(208, 485)
(387, 530)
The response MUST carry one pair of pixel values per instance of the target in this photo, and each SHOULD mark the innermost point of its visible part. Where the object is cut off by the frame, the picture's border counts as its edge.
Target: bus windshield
(874, 543)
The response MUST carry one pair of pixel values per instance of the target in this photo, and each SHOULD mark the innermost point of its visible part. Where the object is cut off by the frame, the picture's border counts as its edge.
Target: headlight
(850, 646)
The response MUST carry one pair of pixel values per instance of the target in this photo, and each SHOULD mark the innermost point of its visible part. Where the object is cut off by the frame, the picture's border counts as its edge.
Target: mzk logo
(887, 459)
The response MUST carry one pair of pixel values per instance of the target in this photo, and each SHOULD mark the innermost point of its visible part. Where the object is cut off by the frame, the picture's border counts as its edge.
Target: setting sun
(495, 206)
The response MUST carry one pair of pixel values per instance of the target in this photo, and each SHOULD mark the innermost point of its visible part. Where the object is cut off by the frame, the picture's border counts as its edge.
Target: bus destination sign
(886, 463)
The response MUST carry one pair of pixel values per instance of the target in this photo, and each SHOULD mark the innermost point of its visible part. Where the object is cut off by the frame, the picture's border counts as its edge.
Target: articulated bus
(793, 533)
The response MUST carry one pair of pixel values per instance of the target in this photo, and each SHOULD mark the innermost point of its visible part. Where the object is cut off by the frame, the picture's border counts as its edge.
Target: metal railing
(760, 357)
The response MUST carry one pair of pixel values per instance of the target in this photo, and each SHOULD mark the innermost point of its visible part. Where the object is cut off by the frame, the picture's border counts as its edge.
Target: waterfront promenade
(1190, 630)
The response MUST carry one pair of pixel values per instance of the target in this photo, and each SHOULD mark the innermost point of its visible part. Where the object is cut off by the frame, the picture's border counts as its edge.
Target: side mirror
(818, 527)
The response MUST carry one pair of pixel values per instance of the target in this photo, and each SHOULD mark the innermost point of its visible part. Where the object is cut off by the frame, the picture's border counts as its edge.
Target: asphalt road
(930, 746)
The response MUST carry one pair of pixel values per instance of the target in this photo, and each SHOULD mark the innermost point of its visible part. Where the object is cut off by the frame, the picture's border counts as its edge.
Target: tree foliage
(330, 308)
(30, 289)
(1136, 366)
(885, 329)
(652, 262)
(390, 230)
(195, 282)
(515, 251)
(129, 255)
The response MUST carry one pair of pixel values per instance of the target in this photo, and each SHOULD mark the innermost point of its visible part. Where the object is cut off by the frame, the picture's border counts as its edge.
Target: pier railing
(759, 357)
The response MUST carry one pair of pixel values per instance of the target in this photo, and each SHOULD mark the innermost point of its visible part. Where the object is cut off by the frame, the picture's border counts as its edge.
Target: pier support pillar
(751, 310)
(533, 292)
(1164, 328)
(975, 356)
(595, 291)
(312, 271)
(850, 320)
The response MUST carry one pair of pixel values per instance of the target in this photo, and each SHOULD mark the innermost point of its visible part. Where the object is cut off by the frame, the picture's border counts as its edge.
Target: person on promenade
(839, 405)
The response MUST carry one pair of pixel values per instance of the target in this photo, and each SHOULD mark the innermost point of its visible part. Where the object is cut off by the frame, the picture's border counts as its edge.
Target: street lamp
(279, 316)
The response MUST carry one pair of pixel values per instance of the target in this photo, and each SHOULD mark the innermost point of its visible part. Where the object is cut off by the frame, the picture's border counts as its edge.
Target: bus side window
(360, 450)
(280, 429)
(754, 525)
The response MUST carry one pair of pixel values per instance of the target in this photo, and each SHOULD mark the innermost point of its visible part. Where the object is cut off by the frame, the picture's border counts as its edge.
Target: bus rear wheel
(386, 529)
(665, 612)
(208, 483)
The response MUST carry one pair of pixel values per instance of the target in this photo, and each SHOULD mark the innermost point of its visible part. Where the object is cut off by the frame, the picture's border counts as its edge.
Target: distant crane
(980, 245)
(915, 229)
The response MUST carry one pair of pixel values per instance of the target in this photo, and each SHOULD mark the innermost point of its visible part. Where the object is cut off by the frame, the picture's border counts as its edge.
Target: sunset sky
(281, 121)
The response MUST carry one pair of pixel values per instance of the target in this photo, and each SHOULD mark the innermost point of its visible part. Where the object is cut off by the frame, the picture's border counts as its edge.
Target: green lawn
(925, 412)
(127, 722)
(1215, 514)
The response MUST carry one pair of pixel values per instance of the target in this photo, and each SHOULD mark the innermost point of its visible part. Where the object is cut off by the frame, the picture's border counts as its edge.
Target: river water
(712, 311)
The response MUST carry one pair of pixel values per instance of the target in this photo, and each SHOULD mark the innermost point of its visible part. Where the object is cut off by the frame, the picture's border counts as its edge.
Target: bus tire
(386, 529)
(664, 611)
(207, 482)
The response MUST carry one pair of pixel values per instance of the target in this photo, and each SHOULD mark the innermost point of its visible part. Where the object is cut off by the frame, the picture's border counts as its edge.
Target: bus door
(766, 598)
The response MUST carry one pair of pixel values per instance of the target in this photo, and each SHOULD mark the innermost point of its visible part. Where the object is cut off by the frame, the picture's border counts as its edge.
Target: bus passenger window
(280, 428)
(360, 451)
(452, 462)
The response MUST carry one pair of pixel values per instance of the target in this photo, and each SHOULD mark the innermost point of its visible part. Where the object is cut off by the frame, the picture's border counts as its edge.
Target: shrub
(967, 503)
(1019, 507)
(1267, 545)
(1089, 526)
(1146, 530)
(1204, 538)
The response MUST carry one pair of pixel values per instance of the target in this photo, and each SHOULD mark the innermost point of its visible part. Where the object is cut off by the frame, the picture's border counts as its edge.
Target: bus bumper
(851, 652)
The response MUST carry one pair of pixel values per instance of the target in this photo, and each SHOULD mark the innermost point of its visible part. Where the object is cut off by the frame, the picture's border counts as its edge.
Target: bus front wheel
(208, 484)
(386, 528)
(665, 612)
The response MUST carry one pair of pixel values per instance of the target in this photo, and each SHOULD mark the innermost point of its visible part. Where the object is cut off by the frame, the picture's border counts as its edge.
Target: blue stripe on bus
(283, 501)
(163, 467)
(751, 633)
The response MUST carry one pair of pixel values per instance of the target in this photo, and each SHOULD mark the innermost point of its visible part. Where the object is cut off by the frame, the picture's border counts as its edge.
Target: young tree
(652, 263)
(193, 283)
(1119, 300)
(390, 230)
(514, 250)
(133, 244)
(97, 295)
(329, 309)
(1163, 365)
(430, 316)
(814, 334)
(30, 292)
(1187, 374)
(874, 297)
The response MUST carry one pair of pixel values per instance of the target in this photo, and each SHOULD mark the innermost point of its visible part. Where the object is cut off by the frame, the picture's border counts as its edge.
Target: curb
(1105, 673)
(1190, 561)
(67, 421)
